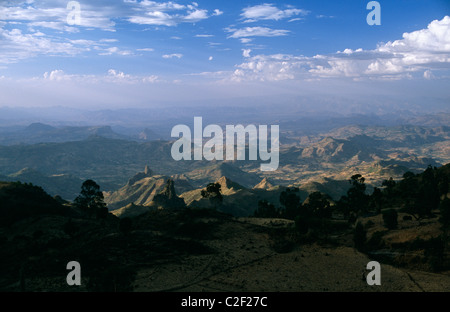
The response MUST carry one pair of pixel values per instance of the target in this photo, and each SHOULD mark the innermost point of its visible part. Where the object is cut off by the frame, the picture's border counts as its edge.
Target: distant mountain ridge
(43, 133)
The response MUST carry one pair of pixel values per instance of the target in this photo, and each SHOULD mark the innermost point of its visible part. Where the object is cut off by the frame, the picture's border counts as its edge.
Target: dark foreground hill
(21, 201)
(187, 251)
(206, 250)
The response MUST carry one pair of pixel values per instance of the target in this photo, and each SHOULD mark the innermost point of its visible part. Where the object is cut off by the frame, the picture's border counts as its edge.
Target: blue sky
(134, 53)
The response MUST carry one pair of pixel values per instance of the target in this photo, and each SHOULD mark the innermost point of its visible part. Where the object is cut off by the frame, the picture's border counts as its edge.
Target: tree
(291, 201)
(357, 198)
(389, 186)
(421, 193)
(429, 192)
(91, 199)
(390, 218)
(318, 205)
(266, 210)
(212, 192)
(377, 199)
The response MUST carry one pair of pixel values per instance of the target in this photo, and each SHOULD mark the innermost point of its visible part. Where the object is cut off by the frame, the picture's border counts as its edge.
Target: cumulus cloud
(168, 13)
(56, 75)
(269, 12)
(421, 51)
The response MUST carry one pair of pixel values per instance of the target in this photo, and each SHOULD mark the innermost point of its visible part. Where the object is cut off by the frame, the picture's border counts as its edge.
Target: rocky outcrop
(168, 199)
(263, 185)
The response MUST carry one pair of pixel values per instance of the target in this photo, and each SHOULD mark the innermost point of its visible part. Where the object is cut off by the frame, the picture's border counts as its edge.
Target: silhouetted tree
(91, 199)
(266, 210)
(420, 193)
(376, 200)
(428, 192)
(389, 186)
(357, 198)
(291, 201)
(319, 205)
(212, 192)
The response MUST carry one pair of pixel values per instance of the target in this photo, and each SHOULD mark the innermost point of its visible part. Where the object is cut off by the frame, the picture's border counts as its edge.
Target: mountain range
(314, 161)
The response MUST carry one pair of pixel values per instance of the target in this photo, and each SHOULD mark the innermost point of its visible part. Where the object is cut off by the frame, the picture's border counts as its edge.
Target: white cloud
(100, 14)
(56, 75)
(112, 76)
(174, 55)
(108, 40)
(17, 46)
(256, 32)
(204, 36)
(246, 40)
(114, 50)
(146, 50)
(168, 13)
(423, 51)
(217, 12)
(428, 75)
(269, 12)
(246, 52)
(53, 14)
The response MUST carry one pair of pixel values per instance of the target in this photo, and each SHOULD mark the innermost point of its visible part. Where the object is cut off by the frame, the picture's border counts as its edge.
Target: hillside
(21, 201)
(214, 171)
(195, 249)
(64, 185)
(142, 188)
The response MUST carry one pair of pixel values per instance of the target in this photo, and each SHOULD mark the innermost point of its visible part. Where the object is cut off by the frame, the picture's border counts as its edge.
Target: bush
(390, 219)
